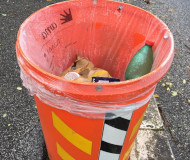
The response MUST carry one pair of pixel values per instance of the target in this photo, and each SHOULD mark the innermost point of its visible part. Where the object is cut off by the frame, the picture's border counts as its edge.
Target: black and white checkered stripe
(113, 137)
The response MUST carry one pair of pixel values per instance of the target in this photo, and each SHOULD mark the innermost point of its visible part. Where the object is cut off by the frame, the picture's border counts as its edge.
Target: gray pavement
(152, 141)
(176, 14)
(21, 135)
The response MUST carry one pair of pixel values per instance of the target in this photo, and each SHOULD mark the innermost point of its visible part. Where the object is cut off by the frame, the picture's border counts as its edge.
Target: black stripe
(119, 123)
(111, 148)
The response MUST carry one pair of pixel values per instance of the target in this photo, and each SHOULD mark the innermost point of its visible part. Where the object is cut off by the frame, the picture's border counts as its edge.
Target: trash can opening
(52, 37)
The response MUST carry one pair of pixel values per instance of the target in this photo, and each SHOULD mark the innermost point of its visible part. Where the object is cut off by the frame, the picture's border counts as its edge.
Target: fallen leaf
(169, 84)
(170, 10)
(163, 84)
(35, 106)
(12, 14)
(184, 81)
(3, 14)
(147, 1)
(9, 124)
(174, 93)
(4, 115)
(188, 71)
(176, 53)
(168, 89)
(49, 0)
(19, 88)
(1, 43)
(156, 96)
(189, 101)
(179, 145)
(178, 31)
(164, 16)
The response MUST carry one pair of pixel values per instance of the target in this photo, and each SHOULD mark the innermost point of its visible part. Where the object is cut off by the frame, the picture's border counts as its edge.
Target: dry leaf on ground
(19, 88)
(174, 93)
(170, 10)
(3, 14)
(169, 84)
(156, 96)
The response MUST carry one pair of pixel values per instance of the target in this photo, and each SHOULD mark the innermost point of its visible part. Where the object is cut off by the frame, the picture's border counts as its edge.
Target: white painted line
(113, 135)
(108, 156)
(127, 115)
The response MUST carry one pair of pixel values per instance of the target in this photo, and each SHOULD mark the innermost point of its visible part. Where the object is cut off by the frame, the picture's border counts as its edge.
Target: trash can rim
(128, 82)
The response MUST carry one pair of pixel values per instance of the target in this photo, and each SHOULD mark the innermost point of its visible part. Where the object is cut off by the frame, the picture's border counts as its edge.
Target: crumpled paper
(84, 69)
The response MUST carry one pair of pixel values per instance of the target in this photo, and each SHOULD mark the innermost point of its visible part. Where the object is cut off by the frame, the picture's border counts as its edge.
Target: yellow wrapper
(98, 73)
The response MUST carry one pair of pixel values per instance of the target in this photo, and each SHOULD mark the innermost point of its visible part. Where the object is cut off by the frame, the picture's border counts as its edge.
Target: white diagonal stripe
(113, 135)
(127, 115)
(108, 156)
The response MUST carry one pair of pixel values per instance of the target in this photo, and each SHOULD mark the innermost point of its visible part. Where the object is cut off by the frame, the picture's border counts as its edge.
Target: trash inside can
(85, 120)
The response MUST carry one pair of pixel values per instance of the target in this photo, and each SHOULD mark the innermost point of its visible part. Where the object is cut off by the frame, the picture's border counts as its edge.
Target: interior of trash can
(107, 33)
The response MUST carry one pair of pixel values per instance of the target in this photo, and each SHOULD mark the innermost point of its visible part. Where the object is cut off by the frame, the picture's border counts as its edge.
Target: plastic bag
(108, 33)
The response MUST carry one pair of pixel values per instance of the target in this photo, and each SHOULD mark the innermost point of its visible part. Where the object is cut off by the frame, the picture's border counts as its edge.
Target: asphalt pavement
(21, 135)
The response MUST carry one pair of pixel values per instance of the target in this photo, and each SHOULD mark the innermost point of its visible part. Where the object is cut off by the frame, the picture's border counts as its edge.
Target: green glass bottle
(141, 63)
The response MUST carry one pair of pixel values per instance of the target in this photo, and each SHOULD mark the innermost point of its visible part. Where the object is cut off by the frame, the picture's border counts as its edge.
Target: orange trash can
(90, 121)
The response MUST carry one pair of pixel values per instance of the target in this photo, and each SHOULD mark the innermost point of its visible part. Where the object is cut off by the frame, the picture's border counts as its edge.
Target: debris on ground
(171, 10)
(174, 93)
(156, 96)
(4, 115)
(147, 1)
(19, 88)
(169, 84)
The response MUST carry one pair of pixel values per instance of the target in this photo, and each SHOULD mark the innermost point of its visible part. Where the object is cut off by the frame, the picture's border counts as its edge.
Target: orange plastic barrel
(90, 121)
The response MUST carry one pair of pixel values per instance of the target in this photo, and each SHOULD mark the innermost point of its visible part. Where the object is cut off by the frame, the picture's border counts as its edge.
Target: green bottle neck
(148, 46)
